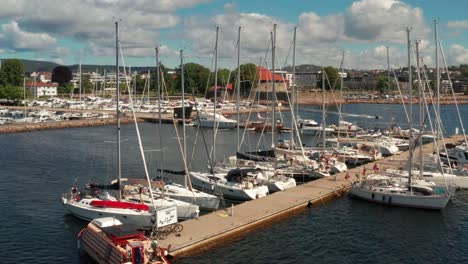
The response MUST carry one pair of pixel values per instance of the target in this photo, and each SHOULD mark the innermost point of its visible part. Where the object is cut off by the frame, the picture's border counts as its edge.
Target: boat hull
(433, 202)
(230, 191)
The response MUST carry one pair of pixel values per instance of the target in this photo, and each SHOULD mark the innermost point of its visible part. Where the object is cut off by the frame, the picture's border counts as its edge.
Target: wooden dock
(220, 226)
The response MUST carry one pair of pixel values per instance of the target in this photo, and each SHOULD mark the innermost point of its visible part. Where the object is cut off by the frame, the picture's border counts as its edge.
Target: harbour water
(38, 166)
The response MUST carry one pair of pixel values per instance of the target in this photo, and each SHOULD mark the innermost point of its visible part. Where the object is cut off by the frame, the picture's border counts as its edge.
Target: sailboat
(84, 204)
(384, 189)
(174, 190)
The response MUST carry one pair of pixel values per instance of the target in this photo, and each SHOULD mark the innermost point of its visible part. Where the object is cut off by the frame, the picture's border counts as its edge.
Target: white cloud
(457, 54)
(15, 38)
(383, 20)
(460, 24)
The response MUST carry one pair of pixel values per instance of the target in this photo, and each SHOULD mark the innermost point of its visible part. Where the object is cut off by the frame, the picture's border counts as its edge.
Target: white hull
(184, 210)
(229, 190)
(204, 200)
(281, 185)
(220, 125)
(436, 202)
(84, 211)
(460, 182)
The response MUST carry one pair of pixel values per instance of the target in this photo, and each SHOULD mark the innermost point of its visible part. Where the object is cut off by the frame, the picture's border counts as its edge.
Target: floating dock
(219, 226)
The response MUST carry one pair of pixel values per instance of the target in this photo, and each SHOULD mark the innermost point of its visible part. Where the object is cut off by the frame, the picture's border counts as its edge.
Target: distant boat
(206, 119)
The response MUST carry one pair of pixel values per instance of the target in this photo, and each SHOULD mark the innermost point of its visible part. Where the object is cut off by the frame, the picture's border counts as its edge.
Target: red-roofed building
(42, 89)
(220, 92)
(265, 86)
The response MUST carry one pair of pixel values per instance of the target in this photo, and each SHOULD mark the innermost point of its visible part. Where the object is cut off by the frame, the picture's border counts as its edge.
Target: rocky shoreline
(28, 127)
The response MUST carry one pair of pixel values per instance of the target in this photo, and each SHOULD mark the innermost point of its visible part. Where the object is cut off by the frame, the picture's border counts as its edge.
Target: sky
(73, 31)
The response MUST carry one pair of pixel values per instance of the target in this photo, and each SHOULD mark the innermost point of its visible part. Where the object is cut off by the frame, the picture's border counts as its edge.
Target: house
(42, 89)
(265, 86)
(222, 92)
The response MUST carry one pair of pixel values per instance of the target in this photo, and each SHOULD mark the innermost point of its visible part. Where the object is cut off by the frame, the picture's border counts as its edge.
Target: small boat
(206, 119)
(108, 240)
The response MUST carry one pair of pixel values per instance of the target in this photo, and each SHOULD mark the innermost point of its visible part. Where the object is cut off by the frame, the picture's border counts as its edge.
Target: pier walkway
(217, 227)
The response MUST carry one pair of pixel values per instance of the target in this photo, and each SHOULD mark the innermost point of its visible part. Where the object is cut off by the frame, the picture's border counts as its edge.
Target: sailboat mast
(340, 117)
(183, 109)
(388, 70)
(420, 112)
(323, 110)
(410, 89)
(293, 90)
(24, 96)
(238, 88)
(436, 36)
(80, 84)
(215, 93)
(273, 117)
(158, 88)
(119, 161)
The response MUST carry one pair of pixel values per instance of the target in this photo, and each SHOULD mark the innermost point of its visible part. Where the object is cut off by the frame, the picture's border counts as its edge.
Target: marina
(221, 132)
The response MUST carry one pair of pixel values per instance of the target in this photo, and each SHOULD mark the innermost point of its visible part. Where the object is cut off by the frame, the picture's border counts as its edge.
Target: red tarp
(117, 204)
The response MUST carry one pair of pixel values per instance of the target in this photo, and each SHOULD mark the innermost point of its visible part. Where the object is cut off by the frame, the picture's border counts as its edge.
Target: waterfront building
(42, 89)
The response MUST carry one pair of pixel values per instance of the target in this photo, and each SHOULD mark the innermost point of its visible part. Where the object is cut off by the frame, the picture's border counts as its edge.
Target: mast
(215, 93)
(420, 112)
(273, 98)
(340, 117)
(24, 96)
(293, 91)
(238, 89)
(323, 110)
(80, 83)
(158, 88)
(388, 70)
(410, 88)
(436, 36)
(119, 161)
(183, 110)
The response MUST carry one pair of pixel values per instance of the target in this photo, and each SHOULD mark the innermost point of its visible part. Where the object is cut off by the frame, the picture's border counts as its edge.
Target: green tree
(65, 89)
(86, 84)
(248, 78)
(383, 84)
(11, 92)
(12, 72)
(61, 75)
(332, 76)
(196, 78)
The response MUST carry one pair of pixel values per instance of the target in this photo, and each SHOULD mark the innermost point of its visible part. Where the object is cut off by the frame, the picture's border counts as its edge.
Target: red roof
(266, 76)
(41, 84)
(229, 87)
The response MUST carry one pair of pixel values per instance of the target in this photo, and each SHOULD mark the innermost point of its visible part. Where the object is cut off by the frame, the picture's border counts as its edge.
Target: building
(42, 89)
(265, 86)
(307, 80)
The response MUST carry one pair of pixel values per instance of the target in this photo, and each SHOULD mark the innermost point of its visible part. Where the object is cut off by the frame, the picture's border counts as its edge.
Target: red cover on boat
(118, 204)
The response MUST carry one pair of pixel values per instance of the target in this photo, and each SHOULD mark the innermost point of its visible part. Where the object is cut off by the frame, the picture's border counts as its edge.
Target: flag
(347, 175)
(376, 168)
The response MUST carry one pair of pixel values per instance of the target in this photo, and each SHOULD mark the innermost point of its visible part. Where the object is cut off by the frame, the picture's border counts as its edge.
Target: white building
(42, 89)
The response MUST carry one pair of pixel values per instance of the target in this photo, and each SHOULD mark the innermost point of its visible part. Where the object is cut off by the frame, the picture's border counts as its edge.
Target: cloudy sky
(69, 31)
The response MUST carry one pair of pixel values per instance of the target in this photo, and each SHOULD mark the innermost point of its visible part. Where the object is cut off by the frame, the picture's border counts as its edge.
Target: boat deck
(217, 227)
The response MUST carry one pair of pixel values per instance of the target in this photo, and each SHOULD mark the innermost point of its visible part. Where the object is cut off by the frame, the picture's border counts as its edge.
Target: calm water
(38, 166)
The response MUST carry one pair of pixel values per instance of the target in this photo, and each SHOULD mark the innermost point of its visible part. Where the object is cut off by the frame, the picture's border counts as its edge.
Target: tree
(248, 78)
(383, 84)
(61, 75)
(332, 76)
(12, 72)
(66, 89)
(11, 92)
(86, 84)
(195, 77)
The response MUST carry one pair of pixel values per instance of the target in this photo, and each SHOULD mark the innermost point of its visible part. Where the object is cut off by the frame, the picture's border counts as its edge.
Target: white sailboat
(387, 190)
(85, 206)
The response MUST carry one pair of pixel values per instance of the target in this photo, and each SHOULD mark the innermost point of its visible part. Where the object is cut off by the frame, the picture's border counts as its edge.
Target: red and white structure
(42, 89)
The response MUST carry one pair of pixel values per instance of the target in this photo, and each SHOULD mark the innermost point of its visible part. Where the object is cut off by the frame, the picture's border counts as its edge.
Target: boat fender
(389, 200)
(383, 198)
(373, 196)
